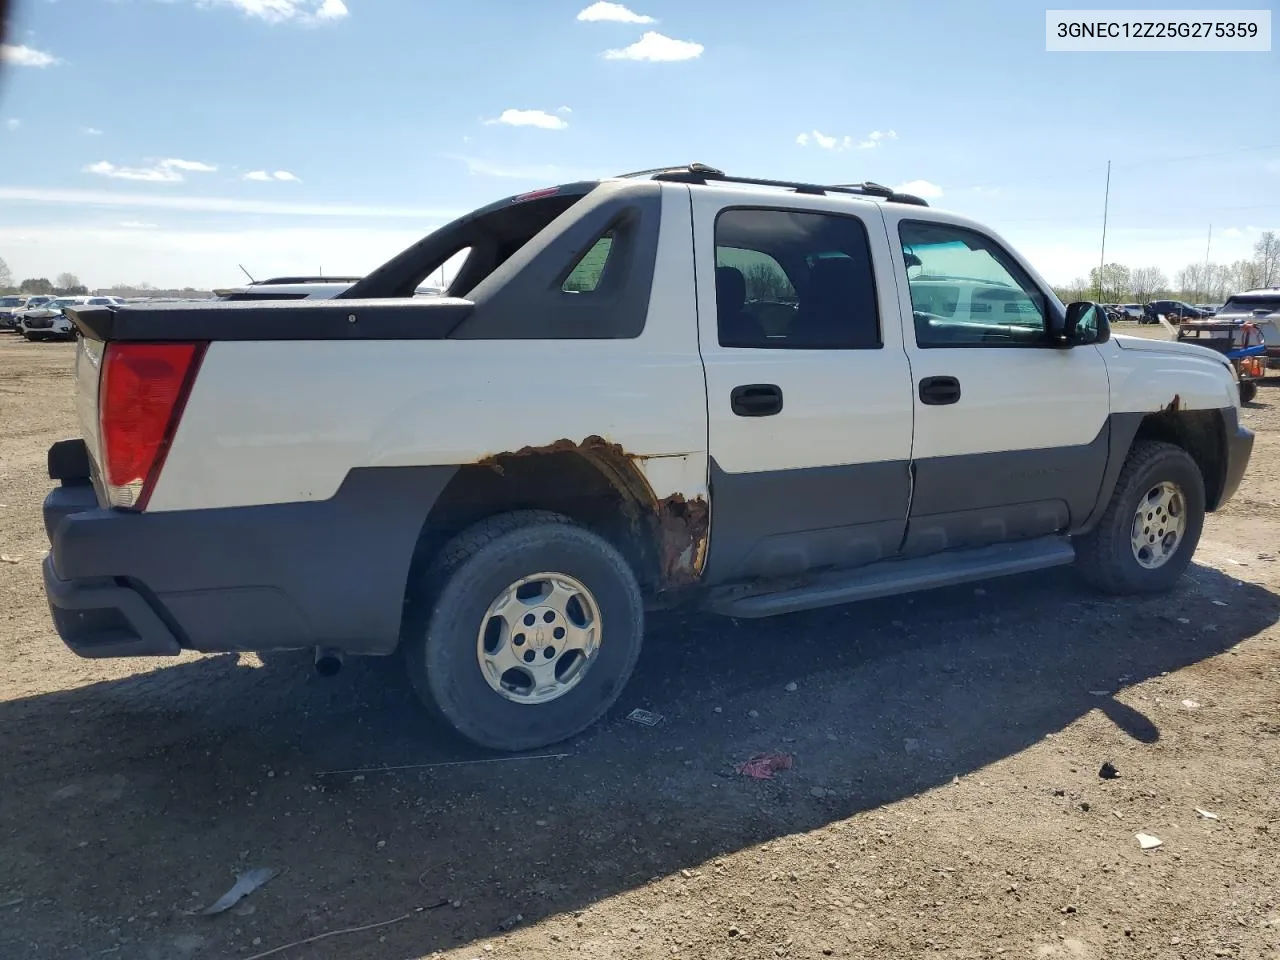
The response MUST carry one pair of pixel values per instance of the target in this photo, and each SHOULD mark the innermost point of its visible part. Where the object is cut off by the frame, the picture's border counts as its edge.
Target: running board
(889, 577)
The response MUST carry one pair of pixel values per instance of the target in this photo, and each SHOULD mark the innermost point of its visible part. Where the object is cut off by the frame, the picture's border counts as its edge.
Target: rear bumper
(330, 573)
(103, 618)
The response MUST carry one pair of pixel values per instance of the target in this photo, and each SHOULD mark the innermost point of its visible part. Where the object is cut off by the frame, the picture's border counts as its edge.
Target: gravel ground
(945, 796)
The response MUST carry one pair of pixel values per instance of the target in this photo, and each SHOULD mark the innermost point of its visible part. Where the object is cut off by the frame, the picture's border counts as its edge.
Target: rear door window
(788, 279)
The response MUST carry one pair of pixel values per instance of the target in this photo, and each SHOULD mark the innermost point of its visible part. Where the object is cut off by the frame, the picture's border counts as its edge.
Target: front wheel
(524, 631)
(1248, 390)
(1152, 525)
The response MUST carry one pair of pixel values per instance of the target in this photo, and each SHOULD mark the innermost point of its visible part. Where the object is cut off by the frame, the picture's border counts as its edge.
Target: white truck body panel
(437, 402)
(1150, 375)
(840, 406)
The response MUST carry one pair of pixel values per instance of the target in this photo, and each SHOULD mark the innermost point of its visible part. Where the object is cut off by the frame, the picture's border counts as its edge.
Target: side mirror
(1084, 322)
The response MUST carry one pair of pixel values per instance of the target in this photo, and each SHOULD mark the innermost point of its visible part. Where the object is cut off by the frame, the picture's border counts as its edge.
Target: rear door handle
(938, 391)
(756, 400)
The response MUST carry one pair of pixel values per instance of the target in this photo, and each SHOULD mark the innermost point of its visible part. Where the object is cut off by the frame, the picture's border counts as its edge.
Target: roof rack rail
(702, 173)
(258, 283)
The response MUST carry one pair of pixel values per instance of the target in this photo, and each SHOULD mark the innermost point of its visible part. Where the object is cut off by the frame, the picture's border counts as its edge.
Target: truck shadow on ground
(141, 798)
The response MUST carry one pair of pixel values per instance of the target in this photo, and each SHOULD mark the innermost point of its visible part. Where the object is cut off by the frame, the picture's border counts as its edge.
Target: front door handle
(938, 391)
(756, 400)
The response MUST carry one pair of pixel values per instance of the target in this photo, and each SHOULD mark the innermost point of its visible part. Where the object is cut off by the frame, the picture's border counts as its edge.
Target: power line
(1141, 164)
(1090, 218)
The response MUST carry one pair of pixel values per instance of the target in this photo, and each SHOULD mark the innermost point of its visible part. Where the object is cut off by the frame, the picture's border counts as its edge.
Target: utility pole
(1106, 202)
(1207, 292)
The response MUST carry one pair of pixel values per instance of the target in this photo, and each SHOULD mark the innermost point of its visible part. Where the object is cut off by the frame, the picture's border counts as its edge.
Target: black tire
(1248, 390)
(1105, 557)
(448, 604)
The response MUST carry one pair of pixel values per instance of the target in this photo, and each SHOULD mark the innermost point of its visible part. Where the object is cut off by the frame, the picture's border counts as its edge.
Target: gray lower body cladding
(330, 573)
(785, 523)
(333, 573)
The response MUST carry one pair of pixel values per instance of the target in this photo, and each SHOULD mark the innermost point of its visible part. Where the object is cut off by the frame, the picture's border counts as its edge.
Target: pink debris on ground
(763, 765)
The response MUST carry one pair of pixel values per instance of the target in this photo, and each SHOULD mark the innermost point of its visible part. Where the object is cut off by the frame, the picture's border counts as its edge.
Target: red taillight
(140, 399)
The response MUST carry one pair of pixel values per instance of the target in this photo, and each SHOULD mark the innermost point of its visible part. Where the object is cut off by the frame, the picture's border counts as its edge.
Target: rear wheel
(1151, 527)
(524, 631)
(1248, 390)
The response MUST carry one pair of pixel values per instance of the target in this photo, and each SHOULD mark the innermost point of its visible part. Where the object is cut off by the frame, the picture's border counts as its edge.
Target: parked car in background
(1131, 311)
(1208, 308)
(287, 288)
(9, 307)
(301, 288)
(1174, 310)
(28, 303)
(1262, 308)
(47, 322)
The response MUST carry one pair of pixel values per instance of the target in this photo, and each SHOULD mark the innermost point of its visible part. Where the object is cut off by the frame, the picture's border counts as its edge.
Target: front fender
(1154, 375)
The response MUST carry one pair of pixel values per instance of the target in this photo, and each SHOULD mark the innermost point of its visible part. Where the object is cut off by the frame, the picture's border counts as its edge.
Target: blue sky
(168, 140)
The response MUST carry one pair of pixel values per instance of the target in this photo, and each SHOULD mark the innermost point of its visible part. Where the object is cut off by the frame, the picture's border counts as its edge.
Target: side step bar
(889, 577)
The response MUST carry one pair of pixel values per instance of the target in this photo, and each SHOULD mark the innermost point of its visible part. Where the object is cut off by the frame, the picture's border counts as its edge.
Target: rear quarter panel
(277, 422)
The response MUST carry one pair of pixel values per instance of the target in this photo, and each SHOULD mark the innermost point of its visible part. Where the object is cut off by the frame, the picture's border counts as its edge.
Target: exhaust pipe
(328, 661)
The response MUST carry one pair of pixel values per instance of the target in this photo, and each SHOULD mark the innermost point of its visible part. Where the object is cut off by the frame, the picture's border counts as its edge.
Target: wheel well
(1202, 434)
(609, 498)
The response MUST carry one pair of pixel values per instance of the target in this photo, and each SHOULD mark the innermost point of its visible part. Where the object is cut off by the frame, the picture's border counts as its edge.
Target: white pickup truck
(669, 387)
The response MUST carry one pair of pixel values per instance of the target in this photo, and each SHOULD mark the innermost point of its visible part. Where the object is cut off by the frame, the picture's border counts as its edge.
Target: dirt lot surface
(945, 797)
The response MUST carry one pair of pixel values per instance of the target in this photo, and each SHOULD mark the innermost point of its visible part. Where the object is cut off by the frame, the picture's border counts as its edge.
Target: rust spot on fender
(682, 527)
(677, 525)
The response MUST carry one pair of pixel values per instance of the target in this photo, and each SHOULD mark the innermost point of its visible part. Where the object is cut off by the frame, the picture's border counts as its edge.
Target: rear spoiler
(413, 318)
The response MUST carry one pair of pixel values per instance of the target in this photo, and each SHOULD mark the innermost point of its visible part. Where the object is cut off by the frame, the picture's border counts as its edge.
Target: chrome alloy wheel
(539, 638)
(1159, 525)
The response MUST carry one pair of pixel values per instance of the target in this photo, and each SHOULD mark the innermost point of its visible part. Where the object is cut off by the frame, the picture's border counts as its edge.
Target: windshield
(64, 303)
(10, 301)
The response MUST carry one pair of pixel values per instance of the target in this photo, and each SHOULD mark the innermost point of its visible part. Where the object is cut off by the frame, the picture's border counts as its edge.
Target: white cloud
(281, 11)
(921, 188)
(162, 171)
(138, 225)
(564, 109)
(604, 11)
(841, 144)
(262, 176)
(530, 118)
(875, 138)
(13, 123)
(824, 141)
(232, 205)
(1233, 232)
(192, 166)
(21, 56)
(91, 132)
(656, 48)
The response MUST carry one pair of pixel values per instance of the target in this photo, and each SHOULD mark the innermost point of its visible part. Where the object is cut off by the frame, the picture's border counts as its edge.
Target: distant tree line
(1194, 283)
(69, 285)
